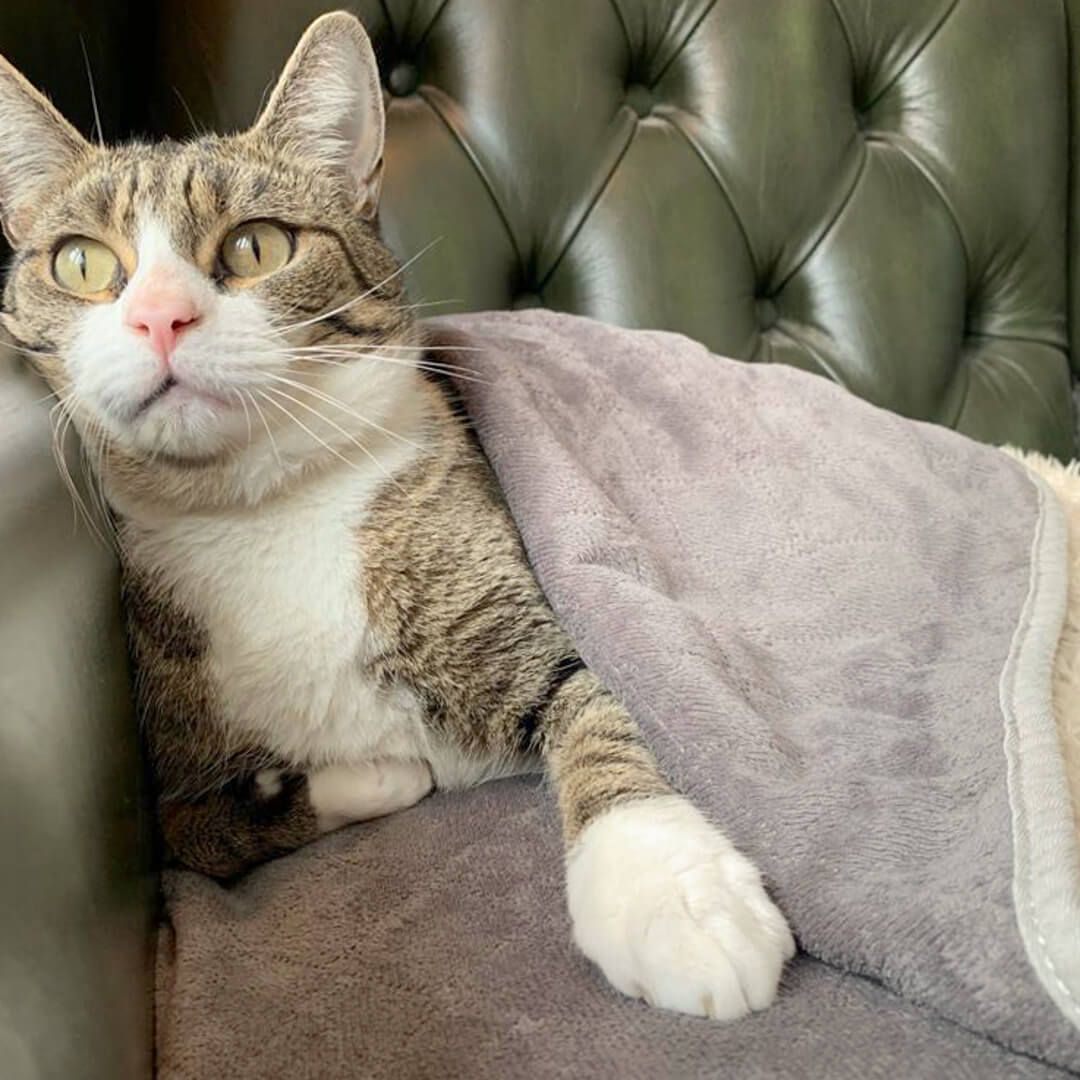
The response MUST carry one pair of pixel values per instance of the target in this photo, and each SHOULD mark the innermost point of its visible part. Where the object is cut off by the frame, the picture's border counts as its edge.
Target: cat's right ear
(327, 107)
(38, 148)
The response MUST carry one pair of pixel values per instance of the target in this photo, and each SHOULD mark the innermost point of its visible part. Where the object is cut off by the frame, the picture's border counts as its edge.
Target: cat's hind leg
(253, 818)
(343, 794)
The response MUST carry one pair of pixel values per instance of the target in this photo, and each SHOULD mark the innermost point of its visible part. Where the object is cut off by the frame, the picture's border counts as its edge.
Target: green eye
(85, 266)
(256, 249)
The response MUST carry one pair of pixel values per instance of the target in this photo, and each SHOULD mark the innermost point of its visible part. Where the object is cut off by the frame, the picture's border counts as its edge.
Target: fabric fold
(810, 604)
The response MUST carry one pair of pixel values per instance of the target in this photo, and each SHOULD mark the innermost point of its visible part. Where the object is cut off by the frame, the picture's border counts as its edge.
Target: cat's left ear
(327, 106)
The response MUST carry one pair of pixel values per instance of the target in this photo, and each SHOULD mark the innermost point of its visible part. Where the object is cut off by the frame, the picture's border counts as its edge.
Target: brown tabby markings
(211, 814)
(446, 582)
(465, 625)
(449, 585)
(200, 190)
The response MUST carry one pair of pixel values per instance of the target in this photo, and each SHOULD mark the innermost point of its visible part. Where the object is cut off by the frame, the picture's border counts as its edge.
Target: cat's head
(165, 291)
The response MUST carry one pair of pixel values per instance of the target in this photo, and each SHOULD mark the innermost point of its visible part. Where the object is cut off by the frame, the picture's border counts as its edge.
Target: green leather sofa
(881, 191)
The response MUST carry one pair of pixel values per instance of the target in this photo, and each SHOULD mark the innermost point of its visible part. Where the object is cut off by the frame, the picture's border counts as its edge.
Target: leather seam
(389, 19)
(963, 368)
(580, 224)
(1019, 339)
(682, 44)
(434, 19)
(718, 180)
(966, 363)
(807, 255)
(1014, 365)
(427, 94)
(847, 36)
(625, 29)
(915, 54)
(898, 144)
(826, 365)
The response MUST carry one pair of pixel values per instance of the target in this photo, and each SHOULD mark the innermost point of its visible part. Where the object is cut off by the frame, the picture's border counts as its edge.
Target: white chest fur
(279, 590)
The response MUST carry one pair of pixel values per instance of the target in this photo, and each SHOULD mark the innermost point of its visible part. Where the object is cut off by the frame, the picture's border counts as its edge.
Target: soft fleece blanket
(836, 628)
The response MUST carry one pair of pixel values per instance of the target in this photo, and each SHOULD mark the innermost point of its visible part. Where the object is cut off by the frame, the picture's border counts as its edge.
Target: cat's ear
(38, 148)
(327, 106)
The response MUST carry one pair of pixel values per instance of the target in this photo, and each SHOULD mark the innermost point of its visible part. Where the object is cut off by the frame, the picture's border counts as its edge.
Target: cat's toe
(672, 913)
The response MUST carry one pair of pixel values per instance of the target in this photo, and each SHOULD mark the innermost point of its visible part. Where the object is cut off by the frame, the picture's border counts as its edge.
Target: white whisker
(321, 395)
(357, 299)
(337, 427)
(303, 427)
(428, 303)
(418, 365)
(418, 362)
(265, 423)
(196, 127)
(60, 433)
(26, 349)
(247, 414)
(339, 349)
(389, 345)
(96, 484)
(93, 93)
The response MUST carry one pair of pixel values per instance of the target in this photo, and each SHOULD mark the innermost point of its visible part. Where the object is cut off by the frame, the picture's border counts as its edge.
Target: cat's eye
(256, 249)
(85, 266)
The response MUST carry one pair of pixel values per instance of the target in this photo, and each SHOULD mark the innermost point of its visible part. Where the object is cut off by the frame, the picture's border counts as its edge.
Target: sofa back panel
(870, 190)
(873, 190)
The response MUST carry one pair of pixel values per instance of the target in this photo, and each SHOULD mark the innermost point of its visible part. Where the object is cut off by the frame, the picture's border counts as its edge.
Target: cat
(330, 611)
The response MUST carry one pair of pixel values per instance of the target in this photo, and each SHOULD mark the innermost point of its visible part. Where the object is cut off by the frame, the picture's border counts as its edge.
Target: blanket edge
(1046, 886)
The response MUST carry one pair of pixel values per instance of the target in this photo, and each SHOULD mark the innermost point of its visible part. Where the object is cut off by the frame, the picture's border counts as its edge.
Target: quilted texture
(869, 189)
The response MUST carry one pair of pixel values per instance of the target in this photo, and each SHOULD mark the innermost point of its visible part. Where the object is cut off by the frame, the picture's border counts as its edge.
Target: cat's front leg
(659, 898)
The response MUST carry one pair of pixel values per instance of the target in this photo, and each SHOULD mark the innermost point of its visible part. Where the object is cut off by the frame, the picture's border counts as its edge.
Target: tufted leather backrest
(874, 189)
(871, 189)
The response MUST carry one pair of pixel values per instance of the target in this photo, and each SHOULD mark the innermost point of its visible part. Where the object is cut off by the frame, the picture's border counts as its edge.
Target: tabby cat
(330, 610)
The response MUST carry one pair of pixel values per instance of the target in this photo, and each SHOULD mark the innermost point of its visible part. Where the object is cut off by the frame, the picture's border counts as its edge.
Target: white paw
(342, 794)
(670, 912)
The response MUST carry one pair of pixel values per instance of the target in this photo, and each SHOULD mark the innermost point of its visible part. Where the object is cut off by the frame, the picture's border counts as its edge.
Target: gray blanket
(835, 627)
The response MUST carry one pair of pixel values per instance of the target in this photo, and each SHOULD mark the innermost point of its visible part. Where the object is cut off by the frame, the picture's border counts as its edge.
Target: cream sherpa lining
(1064, 482)
(1042, 739)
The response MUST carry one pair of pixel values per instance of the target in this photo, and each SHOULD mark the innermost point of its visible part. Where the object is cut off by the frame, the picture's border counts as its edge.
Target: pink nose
(161, 316)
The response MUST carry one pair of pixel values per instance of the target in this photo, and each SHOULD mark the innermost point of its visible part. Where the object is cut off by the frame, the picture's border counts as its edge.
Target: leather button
(404, 79)
(640, 98)
(527, 300)
(765, 312)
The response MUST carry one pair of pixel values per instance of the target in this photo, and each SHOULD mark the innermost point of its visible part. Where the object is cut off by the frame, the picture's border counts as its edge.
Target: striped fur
(448, 591)
(328, 603)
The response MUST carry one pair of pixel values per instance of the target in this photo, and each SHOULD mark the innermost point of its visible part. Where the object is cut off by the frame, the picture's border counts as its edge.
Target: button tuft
(404, 79)
(527, 300)
(640, 98)
(765, 312)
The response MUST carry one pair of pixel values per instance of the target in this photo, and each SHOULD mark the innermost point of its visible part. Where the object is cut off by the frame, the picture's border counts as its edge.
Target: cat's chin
(184, 424)
(173, 394)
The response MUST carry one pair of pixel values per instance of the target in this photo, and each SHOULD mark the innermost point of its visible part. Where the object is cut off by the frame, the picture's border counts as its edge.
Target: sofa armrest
(76, 889)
